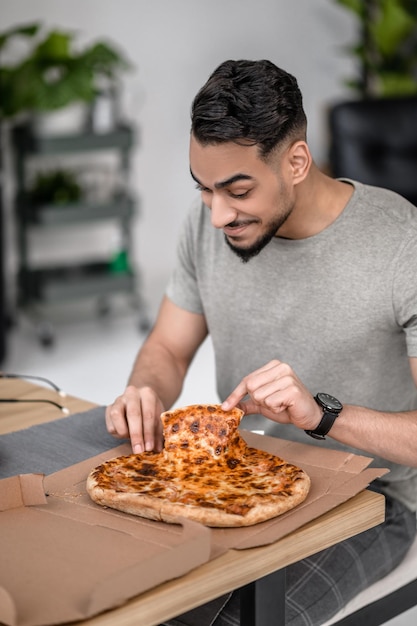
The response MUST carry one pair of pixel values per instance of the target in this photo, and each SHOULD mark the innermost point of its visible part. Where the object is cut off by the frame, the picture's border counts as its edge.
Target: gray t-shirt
(340, 307)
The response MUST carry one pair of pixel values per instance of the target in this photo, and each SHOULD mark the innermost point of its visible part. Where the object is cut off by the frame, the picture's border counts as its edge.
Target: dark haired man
(305, 284)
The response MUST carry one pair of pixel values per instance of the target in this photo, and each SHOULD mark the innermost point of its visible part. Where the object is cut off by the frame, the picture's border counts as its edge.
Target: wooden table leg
(262, 602)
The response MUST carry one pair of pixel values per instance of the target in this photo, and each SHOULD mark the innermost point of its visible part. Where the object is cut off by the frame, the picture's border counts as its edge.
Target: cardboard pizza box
(65, 558)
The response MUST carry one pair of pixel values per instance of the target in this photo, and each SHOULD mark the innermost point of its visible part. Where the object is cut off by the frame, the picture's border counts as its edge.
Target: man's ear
(299, 159)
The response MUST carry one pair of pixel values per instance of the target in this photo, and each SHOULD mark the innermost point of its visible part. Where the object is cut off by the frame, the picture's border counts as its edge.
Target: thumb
(249, 407)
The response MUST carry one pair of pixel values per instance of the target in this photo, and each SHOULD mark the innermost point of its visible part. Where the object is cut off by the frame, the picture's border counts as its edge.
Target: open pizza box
(65, 558)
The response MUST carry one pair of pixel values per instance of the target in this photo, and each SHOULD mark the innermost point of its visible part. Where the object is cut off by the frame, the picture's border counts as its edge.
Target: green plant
(55, 187)
(387, 47)
(53, 73)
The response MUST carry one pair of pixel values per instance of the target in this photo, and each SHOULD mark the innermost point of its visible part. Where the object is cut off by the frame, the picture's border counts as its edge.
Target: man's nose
(221, 211)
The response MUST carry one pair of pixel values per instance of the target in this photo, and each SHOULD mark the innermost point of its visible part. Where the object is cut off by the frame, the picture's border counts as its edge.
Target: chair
(375, 142)
(387, 598)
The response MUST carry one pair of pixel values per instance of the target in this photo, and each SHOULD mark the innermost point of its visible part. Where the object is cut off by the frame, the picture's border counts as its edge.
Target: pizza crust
(164, 511)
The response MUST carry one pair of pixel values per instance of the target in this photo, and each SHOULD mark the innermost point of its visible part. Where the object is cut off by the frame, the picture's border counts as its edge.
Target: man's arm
(157, 377)
(277, 393)
(392, 436)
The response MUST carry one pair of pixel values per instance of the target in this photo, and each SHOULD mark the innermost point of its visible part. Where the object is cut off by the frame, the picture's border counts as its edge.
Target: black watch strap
(328, 419)
(325, 425)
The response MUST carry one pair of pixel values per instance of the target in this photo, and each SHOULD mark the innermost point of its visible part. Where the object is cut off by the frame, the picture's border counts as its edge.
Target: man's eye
(240, 196)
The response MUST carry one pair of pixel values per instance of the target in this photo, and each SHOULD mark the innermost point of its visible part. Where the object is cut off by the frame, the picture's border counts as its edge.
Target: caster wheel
(46, 336)
(103, 308)
(144, 326)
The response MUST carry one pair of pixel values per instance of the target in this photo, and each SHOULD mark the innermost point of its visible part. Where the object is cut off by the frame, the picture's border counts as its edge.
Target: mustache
(238, 223)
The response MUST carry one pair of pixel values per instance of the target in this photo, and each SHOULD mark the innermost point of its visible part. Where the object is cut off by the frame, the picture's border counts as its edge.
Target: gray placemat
(47, 448)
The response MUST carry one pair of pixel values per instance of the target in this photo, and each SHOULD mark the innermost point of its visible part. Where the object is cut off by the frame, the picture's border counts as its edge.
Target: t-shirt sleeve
(405, 293)
(182, 287)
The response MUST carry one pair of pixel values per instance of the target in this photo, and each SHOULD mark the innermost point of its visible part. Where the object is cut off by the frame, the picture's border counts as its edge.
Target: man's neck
(319, 202)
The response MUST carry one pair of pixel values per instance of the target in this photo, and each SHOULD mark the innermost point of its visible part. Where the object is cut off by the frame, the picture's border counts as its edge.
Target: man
(306, 284)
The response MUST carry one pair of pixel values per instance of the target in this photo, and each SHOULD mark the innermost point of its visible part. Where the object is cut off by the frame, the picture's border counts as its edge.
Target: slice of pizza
(206, 472)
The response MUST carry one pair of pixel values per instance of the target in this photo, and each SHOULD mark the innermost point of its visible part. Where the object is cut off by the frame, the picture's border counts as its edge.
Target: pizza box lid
(65, 558)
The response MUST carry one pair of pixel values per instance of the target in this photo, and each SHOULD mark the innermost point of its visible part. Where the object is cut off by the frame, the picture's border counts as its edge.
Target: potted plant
(57, 187)
(386, 48)
(54, 74)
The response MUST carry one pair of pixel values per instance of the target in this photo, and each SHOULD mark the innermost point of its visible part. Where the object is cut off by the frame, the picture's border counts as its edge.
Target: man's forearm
(157, 368)
(392, 436)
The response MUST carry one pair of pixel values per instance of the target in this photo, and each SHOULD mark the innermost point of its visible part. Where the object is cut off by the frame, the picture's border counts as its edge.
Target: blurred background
(94, 108)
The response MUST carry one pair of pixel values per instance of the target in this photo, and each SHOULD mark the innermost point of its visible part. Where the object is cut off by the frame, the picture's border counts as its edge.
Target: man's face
(249, 198)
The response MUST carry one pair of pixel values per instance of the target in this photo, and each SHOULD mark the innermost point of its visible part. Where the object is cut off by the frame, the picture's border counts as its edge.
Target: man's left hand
(276, 392)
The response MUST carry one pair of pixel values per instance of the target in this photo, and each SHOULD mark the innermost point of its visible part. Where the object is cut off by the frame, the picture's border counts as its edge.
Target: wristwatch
(331, 409)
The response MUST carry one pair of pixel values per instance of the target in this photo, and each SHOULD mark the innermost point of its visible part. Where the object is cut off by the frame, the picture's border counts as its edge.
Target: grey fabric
(340, 307)
(47, 448)
(319, 586)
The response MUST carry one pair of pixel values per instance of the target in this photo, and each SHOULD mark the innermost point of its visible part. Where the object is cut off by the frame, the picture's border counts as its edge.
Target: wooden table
(258, 570)
(18, 415)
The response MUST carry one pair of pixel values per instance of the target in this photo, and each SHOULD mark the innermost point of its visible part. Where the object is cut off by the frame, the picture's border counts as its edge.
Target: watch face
(329, 402)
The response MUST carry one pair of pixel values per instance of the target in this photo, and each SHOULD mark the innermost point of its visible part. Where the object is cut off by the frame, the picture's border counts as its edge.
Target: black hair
(250, 103)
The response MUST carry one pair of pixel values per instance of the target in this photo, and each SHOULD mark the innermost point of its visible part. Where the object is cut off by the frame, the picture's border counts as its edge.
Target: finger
(109, 422)
(124, 417)
(251, 382)
(148, 410)
(152, 424)
(115, 419)
(135, 425)
(137, 414)
(272, 394)
(235, 397)
(144, 419)
(275, 408)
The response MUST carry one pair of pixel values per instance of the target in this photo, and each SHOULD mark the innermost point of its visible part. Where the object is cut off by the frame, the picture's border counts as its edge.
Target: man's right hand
(136, 414)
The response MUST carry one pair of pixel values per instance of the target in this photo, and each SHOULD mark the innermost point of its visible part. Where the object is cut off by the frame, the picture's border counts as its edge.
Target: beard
(245, 254)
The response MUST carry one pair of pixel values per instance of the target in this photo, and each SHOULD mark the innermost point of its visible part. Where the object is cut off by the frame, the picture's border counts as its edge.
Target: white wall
(174, 45)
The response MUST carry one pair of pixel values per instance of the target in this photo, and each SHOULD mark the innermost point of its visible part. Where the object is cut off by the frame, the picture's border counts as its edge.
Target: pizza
(206, 472)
